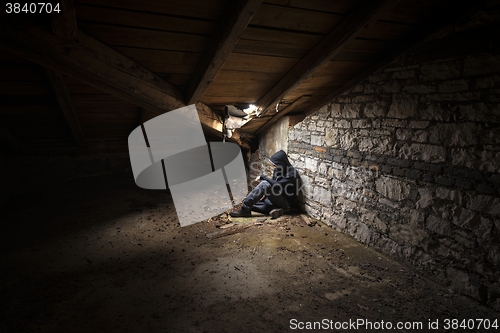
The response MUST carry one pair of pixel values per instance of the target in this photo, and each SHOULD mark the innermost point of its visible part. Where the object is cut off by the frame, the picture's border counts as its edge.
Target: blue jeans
(271, 200)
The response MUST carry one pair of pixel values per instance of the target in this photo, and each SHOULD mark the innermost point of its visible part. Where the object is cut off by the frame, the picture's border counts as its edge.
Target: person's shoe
(242, 212)
(275, 213)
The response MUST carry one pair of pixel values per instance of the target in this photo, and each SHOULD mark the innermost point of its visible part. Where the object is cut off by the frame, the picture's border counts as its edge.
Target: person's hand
(258, 178)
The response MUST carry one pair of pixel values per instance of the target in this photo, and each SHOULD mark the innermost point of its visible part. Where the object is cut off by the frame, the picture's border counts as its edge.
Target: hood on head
(280, 159)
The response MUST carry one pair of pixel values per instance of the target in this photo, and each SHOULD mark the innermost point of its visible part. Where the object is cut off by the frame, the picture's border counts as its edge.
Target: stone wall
(408, 162)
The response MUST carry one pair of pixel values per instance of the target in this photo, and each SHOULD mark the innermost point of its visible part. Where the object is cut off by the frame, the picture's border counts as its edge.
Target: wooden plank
(263, 34)
(202, 9)
(232, 76)
(277, 116)
(270, 49)
(386, 31)
(294, 19)
(259, 63)
(95, 64)
(228, 32)
(150, 56)
(125, 17)
(366, 13)
(337, 6)
(65, 104)
(144, 38)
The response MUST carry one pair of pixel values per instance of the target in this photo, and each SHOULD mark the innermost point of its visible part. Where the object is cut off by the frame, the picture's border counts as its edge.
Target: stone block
(374, 145)
(419, 89)
(351, 111)
(458, 134)
(423, 152)
(440, 71)
(391, 188)
(374, 110)
(485, 188)
(435, 112)
(412, 174)
(444, 181)
(481, 65)
(402, 107)
(342, 123)
(439, 226)
(405, 74)
(453, 86)
(466, 184)
(426, 197)
(398, 162)
(483, 203)
(418, 124)
(449, 194)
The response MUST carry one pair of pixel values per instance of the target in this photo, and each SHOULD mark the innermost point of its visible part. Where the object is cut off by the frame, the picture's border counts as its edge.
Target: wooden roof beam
(64, 27)
(63, 97)
(294, 106)
(93, 63)
(227, 33)
(366, 13)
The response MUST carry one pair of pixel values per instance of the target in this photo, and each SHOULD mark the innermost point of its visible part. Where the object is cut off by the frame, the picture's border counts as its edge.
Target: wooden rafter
(227, 33)
(63, 97)
(64, 27)
(366, 13)
(64, 23)
(93, 63)
(294, 106)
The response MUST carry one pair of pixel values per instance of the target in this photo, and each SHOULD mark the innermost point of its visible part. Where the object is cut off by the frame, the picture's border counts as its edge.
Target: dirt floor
(106, 256)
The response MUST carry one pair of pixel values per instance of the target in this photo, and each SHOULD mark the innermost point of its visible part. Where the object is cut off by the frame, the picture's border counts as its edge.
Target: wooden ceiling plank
(226, 35)
(348, 28)
(63, 98)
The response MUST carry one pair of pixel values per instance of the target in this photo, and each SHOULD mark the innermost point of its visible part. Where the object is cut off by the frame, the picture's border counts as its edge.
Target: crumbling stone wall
(408, 161)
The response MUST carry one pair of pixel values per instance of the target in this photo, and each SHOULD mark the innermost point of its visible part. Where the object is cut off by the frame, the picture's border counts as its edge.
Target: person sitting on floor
(272, 196)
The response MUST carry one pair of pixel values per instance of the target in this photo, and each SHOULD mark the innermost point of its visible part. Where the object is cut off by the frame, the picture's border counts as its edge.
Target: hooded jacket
(285, 178)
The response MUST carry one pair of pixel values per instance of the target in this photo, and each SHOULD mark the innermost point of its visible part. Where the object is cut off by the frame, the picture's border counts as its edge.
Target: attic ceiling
(101, 67)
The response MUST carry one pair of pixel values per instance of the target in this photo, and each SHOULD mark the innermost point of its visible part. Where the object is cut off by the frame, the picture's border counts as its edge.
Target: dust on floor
(106, 256)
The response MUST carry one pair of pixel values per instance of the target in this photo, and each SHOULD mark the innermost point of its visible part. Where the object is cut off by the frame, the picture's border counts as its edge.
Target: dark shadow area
(106, 256)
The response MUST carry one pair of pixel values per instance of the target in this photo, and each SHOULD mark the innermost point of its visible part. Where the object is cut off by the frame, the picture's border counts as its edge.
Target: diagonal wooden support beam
(93, 63)
(366, 13)
(294, 106)
(63, 97)
(227, 33)
(64, 27)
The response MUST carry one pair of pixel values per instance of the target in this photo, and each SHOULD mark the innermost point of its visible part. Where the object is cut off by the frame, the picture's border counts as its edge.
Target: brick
(444, 181)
